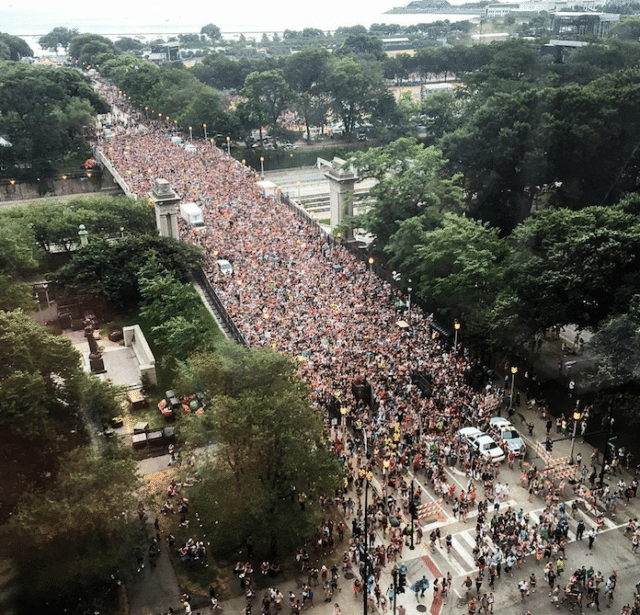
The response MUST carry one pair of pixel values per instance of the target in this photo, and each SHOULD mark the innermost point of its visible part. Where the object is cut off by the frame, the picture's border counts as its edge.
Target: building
(161, 54)
(581, 24)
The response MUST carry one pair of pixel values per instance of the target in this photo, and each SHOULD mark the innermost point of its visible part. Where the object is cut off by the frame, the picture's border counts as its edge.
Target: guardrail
(217, 304)
(103, 161)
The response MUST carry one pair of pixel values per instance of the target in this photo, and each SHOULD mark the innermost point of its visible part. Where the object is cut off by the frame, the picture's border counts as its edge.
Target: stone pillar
(342, 179)
(165, 202)
(95, 356)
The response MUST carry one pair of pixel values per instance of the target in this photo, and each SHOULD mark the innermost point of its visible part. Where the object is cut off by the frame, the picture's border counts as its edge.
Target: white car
(225, 267)
(483, 443)
(510, 435)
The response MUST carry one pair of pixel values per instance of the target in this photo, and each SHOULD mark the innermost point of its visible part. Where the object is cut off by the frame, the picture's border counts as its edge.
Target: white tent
(5, 143)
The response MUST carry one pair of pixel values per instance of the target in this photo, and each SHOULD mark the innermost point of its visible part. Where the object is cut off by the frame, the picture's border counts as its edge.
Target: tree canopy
(272, 452)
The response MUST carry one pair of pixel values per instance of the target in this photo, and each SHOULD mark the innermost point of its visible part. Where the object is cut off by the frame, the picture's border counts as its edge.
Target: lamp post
(576, 417)
(204, 126)
(412, 507)
(262, 167)
(190, 133)
(409, 289)
(343, 420)
(456, 326)
(298, 184)
(229, 145)
(514, 371)
(370, 265)
(365, 590)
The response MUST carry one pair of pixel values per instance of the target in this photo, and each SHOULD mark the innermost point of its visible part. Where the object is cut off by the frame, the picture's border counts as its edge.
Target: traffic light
(402, 582)
(549, 445)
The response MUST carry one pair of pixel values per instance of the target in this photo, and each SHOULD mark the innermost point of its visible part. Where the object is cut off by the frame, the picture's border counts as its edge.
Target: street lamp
(456, 326)
(370, 265)
(514, 371)
(412, 508)
(262, 166)
(205, 131)
(298, 184)
(409, 289)
(190, 133)
(343, 421)
(576, 417)
(229, 145)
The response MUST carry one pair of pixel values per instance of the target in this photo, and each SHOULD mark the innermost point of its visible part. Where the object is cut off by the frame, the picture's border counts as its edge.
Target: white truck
(191, 214)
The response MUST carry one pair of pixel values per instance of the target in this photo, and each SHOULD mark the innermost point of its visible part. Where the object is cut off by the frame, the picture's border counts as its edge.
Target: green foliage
(71, 541)
(211, 31)
(39, 375)
(272, 449)
(91, 49)
(42, 111)
(127, 44)
(18, 47)
(267, 94)
(410, 184)
(179, 320)
(58, 37)
(354, 85)
(110, 270)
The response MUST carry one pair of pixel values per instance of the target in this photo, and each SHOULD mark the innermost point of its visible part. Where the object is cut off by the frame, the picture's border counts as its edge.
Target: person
(580, 529)
(592, 537)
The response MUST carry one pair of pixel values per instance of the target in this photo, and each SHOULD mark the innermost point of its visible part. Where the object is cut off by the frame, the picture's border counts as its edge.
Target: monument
(165, 202)
(342, 180)
(95, 356)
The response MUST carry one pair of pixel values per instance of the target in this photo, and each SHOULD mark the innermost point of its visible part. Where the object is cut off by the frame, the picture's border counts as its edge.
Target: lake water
(33, 18)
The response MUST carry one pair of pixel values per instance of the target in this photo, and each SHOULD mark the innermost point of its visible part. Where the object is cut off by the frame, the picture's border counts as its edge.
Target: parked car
(510, 435)
(169, 405)
(225, 267)
(483, 443)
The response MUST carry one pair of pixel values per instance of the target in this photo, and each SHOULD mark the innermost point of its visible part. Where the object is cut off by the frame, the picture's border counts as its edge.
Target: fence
(217, 304)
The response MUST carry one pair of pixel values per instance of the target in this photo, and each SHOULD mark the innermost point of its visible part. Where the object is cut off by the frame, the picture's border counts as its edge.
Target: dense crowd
(300, 294)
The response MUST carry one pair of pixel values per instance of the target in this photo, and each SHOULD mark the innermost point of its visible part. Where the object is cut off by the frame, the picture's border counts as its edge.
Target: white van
(225, 267)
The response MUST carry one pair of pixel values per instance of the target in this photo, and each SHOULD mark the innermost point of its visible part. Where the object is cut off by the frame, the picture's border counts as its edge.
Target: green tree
(354, 84)
(305, 73)
(362, 45)
(91, 49)
(126, 44)
(267, 95)
(39, 375)
(410, 183)
(18, 47)
(58, 37)
(72, 542)
(211, 31)
(110, 270)
(272, 452)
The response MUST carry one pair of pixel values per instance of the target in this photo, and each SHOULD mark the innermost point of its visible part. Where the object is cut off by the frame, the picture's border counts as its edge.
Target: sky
(37, 17)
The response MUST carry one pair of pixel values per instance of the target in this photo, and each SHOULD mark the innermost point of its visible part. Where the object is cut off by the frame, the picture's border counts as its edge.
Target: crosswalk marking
(460, 560)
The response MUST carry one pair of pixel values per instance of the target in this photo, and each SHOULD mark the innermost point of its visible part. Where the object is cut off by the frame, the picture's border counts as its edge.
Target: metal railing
(217, 304)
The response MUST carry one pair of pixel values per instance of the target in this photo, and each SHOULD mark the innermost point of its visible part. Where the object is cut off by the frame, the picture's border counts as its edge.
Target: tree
(459, 266)
(72, 542)
(91, 49)
(127, 44)
(39, 375)
(110, 270)
(305, 73)
(354, 85)
(267, 94)
(58, 37)
(18, 47)
(362, 45)
(272, 453)
(211, 31)
(410, 183)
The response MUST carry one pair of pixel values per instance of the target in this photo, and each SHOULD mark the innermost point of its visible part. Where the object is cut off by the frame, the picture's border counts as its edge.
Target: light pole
(262, 167)
(205, 131)
(298, 184)
(343, 421)
(456, 326)
(409, 289)
(514, 371)
(190, 133)
(370, 265)
(411, 511)
(229, 146)
(576, 417)
(367, 477)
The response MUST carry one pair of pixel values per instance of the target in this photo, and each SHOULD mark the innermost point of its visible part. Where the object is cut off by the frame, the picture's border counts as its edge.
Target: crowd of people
(296, 292)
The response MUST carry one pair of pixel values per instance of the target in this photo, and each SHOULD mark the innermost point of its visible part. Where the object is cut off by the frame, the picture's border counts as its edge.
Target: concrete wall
(51, 187)
(134, 339)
